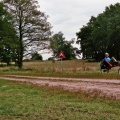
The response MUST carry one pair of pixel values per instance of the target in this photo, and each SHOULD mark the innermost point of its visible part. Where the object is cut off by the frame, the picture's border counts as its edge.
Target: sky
(68, 16)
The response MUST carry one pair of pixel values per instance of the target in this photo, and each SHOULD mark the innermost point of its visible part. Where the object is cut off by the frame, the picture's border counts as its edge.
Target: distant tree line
(101, 34)
(36, 56)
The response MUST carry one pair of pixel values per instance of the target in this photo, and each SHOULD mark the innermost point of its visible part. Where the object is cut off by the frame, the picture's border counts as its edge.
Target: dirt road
(101, 87)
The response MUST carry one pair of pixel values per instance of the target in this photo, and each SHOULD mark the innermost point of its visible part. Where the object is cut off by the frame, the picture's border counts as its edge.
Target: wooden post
(61, 66)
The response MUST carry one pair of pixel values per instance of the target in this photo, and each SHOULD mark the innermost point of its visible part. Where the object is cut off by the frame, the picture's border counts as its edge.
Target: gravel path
(101, 87)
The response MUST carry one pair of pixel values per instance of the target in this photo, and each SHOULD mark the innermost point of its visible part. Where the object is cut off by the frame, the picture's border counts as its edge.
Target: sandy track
(101, 87)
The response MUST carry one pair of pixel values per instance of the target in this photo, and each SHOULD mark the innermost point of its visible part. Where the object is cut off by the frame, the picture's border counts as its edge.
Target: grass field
(20, 101)
(71, 68)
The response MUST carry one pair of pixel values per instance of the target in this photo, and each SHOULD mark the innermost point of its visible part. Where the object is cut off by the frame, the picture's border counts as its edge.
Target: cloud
(69, 16)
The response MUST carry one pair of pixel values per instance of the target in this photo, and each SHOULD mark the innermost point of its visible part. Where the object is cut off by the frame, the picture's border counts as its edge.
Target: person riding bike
(107, 61)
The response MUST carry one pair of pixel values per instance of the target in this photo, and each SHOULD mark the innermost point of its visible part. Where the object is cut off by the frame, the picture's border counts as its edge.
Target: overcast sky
(69, 16)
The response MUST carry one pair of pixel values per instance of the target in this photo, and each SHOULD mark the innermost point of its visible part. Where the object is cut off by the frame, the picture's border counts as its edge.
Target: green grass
(71, 68)
(19, 101)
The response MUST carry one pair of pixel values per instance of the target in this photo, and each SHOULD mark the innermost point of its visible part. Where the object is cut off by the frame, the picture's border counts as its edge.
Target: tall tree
(31, 25)
(57, 40)
(8, 38)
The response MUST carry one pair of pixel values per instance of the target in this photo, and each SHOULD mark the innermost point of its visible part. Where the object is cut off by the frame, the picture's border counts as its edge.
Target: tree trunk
(20, 61)
(21, 49)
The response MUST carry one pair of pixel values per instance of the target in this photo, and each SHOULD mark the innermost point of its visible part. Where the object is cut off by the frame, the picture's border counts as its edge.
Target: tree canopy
(31, 25)
(101, 34)
(8, 38)
(58, 43)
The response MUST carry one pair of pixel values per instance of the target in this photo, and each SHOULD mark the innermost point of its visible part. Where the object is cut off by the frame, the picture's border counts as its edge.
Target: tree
(55, 43)
(8, 38)
(31, 25)
(101, 34)
(58, 43)
(85, 39)
(36, 56)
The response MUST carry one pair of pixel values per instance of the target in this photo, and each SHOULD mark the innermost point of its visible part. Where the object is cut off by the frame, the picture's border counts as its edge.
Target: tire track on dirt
(103, 88)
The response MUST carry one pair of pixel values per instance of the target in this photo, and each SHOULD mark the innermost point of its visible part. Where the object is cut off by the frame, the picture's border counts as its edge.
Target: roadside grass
(19, 101)
(69, 68)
